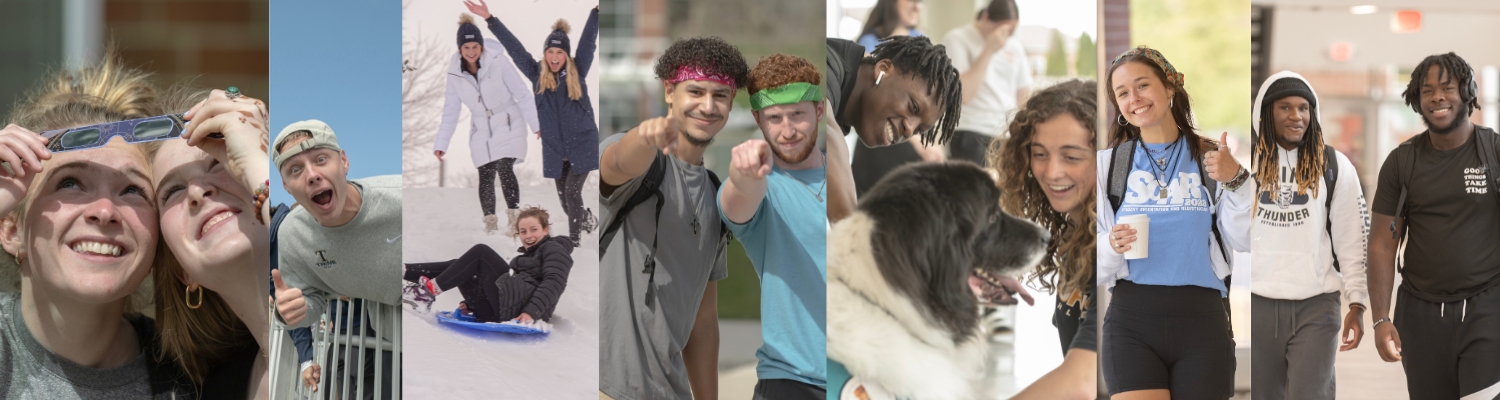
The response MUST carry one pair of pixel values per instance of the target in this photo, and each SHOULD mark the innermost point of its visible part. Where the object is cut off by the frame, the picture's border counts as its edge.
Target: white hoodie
(1292, 251)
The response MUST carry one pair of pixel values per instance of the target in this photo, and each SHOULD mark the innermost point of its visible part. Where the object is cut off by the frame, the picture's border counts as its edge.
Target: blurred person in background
(996, 78)
(890, 18)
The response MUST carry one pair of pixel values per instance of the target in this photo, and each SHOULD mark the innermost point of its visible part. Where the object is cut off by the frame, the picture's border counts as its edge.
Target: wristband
(1239, 180)
(1377, 322)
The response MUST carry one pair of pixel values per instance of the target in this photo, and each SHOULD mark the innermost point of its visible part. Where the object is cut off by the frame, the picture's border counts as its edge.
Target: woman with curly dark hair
(1047, 176)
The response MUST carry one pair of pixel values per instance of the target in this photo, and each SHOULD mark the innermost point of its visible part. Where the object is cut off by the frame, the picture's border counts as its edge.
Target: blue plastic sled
(457, 318)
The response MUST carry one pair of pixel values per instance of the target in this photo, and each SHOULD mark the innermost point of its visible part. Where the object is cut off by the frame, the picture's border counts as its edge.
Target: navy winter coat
(569, 131)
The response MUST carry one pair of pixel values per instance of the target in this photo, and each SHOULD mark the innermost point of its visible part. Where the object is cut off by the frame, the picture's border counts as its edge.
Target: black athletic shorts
(1450, 350)
(1168, 337)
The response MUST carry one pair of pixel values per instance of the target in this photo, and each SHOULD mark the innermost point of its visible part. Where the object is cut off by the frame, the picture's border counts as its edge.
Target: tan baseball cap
(322, 137)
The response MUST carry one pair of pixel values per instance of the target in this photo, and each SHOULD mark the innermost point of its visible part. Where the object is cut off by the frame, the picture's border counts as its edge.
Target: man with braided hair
(1308, 239)
(659, 333)
(906, 88)
(1437, 190)
(773, 202)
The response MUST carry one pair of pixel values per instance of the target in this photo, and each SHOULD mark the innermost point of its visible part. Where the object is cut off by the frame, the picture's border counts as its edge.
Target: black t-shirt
(843, 66)
(1075, 320)
(1452, 218)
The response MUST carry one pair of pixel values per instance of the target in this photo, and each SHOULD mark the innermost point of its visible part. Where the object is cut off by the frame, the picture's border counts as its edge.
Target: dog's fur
(901, 314)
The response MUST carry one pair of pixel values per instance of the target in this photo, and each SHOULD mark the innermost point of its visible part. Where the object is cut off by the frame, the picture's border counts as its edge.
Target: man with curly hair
(659, 334)
(773, 202)
(907, 88)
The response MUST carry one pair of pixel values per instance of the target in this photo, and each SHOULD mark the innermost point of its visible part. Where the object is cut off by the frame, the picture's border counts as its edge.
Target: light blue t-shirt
(1180, 222)
(787, 240)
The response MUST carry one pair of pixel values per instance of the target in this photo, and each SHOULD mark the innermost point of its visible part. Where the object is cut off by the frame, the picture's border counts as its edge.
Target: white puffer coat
(500, 104)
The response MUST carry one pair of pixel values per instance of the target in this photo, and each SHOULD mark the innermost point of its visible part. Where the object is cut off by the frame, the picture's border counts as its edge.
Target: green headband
(791, 93)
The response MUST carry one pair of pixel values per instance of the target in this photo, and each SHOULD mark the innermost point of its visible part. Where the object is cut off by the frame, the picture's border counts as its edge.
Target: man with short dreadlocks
(1438, 192)
(906, 88)
(1308, 241)
(659, 334)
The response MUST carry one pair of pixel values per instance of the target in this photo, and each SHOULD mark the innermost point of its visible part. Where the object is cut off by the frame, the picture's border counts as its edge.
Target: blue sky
(339, 62)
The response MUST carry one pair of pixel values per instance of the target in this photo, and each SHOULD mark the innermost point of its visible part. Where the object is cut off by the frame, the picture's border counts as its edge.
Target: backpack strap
(1330, 182)
(1119, 172)
(1403, 175)
(1486, 140)
(650, 188)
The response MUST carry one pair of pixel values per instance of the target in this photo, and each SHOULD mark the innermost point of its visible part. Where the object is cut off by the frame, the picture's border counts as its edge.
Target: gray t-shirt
(30, 371)
(361, 258)
(641, 339)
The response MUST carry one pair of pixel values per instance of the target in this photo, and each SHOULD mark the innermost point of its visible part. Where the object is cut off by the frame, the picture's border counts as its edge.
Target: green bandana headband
(1158, 59)
(791, 93)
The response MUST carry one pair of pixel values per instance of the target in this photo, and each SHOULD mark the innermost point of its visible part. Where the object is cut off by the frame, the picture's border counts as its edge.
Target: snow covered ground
(446, 362)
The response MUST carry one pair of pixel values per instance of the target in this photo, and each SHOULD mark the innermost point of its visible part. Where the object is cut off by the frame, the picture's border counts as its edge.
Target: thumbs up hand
(1219, 163)
(289, 301)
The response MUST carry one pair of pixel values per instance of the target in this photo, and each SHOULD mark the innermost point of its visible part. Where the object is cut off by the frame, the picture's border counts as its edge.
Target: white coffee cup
(1141, 223)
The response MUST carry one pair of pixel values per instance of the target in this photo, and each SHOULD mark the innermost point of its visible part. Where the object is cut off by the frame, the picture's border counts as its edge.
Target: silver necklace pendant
(1161, 162)
(1162, 193)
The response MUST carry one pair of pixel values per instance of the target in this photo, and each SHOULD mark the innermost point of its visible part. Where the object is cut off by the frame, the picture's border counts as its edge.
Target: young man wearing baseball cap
(345, 240)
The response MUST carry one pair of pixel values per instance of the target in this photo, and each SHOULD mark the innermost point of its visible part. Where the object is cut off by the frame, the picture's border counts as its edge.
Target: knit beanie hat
(467, 31)
(559, 37)
(1287, 87)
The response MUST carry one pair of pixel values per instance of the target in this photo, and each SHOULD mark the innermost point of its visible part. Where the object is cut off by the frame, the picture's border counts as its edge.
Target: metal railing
(347, 336)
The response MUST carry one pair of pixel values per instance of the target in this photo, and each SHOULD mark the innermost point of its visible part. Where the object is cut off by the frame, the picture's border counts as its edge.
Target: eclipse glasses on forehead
(140, 130)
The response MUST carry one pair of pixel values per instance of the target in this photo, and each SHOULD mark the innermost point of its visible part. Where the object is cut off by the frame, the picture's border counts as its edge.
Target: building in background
(175, 40)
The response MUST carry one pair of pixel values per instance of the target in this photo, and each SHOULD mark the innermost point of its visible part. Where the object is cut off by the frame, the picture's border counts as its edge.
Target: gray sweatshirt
(359, 259)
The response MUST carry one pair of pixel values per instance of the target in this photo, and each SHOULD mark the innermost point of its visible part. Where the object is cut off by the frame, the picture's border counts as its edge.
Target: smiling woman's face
(90, 231)
(205, 212)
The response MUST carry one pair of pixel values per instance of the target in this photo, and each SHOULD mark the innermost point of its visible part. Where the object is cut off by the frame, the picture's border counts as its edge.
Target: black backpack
(1484, 138)
(1330, 181)
(651, 189)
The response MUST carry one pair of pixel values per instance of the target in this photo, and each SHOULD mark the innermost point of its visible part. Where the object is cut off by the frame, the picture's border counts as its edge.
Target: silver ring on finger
(232, 93)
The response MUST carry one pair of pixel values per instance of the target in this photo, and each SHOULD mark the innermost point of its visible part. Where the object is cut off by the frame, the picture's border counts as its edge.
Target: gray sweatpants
(1292, 347)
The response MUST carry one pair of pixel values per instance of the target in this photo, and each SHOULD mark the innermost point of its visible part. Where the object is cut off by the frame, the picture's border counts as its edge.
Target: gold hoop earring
(21, 259)
(189, 294)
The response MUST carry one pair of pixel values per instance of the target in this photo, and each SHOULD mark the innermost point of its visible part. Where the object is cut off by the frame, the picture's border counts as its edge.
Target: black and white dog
(908, 273)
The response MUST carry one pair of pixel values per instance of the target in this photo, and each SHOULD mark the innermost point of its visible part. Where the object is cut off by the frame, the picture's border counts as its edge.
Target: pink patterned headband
(692, 73)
